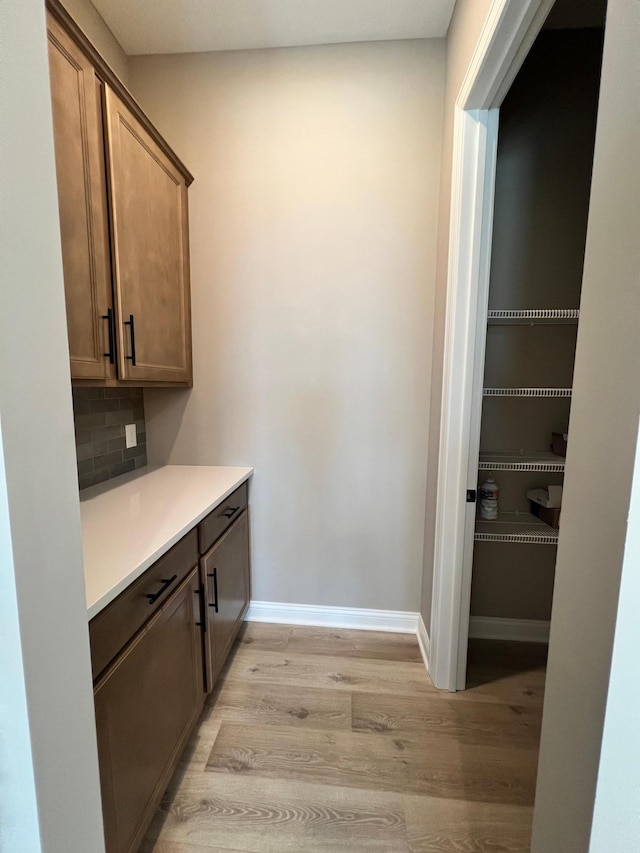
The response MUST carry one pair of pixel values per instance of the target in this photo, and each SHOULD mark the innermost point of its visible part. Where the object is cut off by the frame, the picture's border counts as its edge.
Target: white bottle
(488, 493)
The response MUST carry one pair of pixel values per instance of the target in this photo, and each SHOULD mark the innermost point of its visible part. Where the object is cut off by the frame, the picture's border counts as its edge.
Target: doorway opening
(523, 153)
(546, 139)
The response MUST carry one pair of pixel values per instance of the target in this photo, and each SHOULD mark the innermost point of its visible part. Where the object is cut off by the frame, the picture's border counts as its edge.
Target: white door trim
(509, 31)
(479, 302)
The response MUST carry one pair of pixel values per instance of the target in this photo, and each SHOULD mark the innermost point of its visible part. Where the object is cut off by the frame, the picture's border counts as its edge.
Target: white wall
(19, 826)
(604, 430)
(313, 232)
(616, 819)
(49, 788)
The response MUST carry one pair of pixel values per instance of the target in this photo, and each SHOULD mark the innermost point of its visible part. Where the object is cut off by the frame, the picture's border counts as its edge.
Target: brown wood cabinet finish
(113, 627)
(82, 203)
(150, 230)
(226, 578)
(56, 10)
(124, 223)
(146, 705)
(214, 525)
(154, 651)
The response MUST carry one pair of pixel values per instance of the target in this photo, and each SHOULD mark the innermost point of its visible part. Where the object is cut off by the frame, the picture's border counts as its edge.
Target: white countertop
(125, 528)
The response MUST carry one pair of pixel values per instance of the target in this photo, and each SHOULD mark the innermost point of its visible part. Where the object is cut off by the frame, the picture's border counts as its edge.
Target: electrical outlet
(130, 437)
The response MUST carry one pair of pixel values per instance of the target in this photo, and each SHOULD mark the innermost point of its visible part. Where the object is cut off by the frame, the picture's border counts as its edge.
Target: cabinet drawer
(112, 629)
(214, 525)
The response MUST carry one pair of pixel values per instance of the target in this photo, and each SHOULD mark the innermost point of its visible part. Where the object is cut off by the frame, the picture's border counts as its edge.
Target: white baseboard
(520, 630)
(395, 621)
(423, 641)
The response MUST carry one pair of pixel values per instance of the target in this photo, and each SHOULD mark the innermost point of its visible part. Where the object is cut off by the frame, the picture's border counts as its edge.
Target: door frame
(509, 31)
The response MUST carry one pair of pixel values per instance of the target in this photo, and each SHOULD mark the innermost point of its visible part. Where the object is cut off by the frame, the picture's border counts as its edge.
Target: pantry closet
(545, 155)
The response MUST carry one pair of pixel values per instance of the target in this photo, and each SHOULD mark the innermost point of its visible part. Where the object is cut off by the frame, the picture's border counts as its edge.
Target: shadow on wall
(171, 405)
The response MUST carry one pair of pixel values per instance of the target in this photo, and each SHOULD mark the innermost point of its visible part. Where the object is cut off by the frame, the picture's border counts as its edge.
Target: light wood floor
(335, 741)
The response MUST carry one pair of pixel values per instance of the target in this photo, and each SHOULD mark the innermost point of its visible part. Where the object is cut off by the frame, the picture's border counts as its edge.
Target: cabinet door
(226, 577)
(146, 705)
(149, 225)
(82, 203)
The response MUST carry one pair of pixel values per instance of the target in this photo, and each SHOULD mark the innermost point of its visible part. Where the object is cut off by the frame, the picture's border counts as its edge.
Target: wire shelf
(545, 316)
(520, 527)
(503, 461)
(527, 392)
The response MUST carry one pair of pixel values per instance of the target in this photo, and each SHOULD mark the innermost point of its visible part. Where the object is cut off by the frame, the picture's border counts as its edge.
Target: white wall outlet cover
(130, 437)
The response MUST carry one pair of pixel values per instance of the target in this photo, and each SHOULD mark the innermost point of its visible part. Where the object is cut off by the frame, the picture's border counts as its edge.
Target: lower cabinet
(156, 651)
(146, 705)
(225, 576)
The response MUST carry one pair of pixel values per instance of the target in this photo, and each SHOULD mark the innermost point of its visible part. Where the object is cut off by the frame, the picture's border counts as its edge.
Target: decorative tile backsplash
(100, 416)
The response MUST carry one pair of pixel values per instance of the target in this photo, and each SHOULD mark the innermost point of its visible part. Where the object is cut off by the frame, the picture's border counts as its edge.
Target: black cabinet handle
(166, 583)
(132, 357)
(214, 575)
(111, 355)
(231, 511)
(200, 592)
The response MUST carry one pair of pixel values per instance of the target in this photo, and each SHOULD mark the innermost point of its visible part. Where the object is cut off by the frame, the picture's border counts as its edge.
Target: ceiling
(191, 26)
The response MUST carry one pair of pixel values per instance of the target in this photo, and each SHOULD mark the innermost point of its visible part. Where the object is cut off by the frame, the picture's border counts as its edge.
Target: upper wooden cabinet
(151, 259)
(123, 222)
(82, 203)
